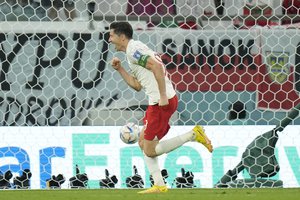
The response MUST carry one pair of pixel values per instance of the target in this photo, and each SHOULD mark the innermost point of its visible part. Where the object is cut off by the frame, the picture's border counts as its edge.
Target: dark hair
(122, 28)
(237, 110)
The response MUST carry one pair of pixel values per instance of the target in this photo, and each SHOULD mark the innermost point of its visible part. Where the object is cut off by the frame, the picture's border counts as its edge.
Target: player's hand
(116, 63)
(163, 101)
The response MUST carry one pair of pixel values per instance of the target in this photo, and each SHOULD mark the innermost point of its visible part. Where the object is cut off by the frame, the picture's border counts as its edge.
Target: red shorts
(157, 118)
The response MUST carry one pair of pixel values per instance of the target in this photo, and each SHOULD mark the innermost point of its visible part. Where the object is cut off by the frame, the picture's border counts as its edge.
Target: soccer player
(148, 73)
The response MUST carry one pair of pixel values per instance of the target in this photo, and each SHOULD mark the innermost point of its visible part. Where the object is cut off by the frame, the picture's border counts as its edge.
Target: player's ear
(123, 37)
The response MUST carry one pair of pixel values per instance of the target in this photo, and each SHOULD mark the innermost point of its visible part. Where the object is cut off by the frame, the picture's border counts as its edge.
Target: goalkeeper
(148, 73)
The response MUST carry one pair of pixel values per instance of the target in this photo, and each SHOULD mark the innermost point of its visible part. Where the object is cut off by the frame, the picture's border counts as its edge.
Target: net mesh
(231, 62)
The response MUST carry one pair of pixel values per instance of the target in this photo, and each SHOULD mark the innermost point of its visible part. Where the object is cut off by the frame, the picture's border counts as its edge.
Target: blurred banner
(211, 60)
(279, 79)
(262, 60)
(50, 151)
(63, 77)
(56, 77)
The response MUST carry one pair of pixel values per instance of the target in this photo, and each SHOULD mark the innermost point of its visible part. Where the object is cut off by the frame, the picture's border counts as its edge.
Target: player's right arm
(129, 79)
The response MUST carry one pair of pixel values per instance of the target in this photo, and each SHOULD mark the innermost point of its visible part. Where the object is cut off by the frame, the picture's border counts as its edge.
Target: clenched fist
(116, 63)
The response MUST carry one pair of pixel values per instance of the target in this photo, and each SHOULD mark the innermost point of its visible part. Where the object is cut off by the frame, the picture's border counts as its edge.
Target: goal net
(234, 65)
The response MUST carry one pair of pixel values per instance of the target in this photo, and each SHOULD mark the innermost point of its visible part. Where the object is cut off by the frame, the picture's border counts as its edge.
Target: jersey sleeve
(139, 55)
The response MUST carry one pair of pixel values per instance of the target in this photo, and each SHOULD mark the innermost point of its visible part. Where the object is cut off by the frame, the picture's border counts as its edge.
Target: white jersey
(134, 51)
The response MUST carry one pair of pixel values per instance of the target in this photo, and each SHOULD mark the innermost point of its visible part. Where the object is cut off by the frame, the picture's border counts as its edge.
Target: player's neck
(125, 45)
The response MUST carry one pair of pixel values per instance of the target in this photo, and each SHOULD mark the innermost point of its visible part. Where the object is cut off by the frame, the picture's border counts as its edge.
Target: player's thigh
(141, 139)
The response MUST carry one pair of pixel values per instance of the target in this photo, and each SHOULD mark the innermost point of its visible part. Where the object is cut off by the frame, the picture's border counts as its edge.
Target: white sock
(169, 145)
(153, 167)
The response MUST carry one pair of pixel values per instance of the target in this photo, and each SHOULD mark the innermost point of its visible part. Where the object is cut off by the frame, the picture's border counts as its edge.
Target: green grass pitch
(173, 194)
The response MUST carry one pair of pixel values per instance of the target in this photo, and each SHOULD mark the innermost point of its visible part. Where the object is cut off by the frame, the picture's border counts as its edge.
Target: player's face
(115, 39)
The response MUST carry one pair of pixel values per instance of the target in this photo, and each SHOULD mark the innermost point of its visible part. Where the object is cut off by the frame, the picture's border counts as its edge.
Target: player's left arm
(156, 65)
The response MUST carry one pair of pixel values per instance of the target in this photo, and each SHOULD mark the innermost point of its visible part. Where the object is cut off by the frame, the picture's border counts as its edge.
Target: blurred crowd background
(223, 11)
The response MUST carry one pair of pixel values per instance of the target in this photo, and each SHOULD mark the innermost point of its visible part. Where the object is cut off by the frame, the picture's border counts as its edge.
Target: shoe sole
(160, 192)
(157, 191)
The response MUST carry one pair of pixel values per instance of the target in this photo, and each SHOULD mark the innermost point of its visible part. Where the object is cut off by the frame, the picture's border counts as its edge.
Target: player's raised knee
(150, 153)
